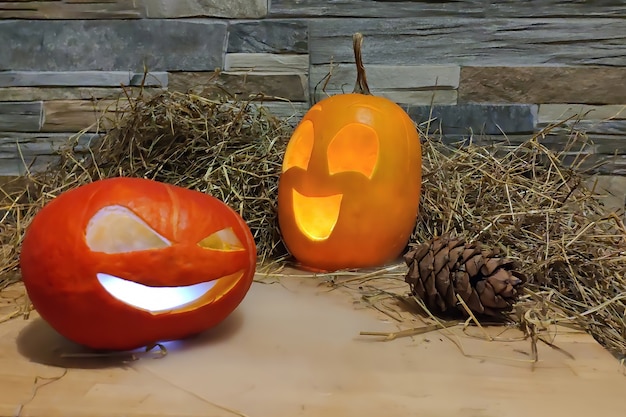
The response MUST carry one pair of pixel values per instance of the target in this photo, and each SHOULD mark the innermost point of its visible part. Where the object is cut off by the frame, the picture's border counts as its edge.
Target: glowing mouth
(316, 217)
(153, 299)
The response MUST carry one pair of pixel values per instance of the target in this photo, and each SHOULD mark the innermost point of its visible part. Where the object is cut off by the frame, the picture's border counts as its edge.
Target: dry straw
(228, 148)
(520, 198)
(524, 200)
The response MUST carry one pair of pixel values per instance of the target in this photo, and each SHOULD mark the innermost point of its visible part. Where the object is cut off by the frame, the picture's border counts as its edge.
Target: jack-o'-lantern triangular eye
(116, 229)
(223, 240)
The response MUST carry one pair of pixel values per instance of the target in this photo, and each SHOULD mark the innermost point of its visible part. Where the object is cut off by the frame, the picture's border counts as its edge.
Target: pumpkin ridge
(175, 211)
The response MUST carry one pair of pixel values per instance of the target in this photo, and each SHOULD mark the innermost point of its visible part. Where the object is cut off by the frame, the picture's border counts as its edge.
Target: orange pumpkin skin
(365, 151)
(59, 268)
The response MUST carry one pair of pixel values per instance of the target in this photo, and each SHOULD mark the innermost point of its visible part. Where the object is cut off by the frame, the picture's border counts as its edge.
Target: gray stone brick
(31, 144)
(112, 45)
(242, 84)
(71, 9)
(559, 112)
(21, 116)
(267, 62)
(268, 36)
(213, 8)
(69, 93)
(467, 41)
(81, 79)
(589, 127)
(476, 118)
(23, 152)
(428, 8)
(407, 84)
(19, 166)
(543, 84)
(291, 113)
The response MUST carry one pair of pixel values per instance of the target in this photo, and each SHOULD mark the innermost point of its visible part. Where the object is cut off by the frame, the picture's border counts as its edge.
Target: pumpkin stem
(361, 86)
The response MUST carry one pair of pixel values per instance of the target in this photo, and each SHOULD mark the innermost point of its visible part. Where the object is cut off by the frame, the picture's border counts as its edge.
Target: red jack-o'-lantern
(126, 262)
(351, 181)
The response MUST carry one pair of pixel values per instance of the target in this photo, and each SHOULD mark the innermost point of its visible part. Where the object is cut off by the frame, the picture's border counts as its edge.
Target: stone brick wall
(498, 71)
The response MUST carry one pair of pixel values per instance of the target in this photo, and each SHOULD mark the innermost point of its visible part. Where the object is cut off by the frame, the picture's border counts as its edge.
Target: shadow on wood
(40, 343)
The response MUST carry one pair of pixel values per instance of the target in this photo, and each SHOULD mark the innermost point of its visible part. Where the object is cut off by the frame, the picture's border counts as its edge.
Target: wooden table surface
(294, 350)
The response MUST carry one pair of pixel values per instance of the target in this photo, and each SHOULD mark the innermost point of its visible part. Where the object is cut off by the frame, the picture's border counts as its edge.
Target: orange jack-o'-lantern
(126, 262)
(350, 186)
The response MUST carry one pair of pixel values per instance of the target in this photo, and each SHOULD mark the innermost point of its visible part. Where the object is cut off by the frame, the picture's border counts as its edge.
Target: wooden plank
(467, 41)
(259, 351)
(82, 387)
(454, 9)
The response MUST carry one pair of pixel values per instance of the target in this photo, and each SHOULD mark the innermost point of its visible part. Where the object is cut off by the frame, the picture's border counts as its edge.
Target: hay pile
(227, 148)
(521, 199)
(524, 200)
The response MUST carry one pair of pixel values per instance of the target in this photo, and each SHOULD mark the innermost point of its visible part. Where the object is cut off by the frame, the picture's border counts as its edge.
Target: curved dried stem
(361, 86)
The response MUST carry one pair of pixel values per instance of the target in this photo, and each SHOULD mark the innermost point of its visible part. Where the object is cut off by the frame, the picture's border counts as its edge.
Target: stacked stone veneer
(497, 71)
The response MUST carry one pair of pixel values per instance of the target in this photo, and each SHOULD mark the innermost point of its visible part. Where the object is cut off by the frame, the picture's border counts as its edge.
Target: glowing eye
(116, 229)
(354, 148)
(298, 152)
(224, 240)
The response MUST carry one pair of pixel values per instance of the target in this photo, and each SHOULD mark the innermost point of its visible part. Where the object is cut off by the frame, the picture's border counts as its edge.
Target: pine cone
(444, 267)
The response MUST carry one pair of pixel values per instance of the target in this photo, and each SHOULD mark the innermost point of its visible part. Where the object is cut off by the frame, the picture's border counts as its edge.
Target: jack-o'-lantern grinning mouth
(153, 299)
(316, 216)
(160, 300)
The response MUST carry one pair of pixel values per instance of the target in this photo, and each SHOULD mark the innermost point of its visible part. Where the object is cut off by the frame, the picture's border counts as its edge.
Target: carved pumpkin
(127, 262)
(351, 179)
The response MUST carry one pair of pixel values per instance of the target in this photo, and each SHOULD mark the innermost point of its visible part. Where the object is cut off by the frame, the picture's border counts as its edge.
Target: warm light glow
(153, 299)
(116, 229)
(316, 216)
(300, 147)
(223, 240)
(354, 148)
